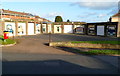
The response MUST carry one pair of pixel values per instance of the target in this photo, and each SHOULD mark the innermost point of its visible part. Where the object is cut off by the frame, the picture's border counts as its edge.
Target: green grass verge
(97, 52)
(107, 52)
(98, 42)
(8, 41)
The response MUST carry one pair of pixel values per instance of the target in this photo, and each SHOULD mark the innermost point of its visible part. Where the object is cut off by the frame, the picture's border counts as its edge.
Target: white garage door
(68, 29)
(30, 28)
(100, 30)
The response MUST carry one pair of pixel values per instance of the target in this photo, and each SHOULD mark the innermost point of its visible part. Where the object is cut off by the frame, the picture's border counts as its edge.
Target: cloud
(101, 15)
(52, 14)
(96, 5)
(87, 14)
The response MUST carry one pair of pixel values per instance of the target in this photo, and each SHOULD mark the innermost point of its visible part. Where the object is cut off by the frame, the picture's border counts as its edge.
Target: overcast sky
(77, 10)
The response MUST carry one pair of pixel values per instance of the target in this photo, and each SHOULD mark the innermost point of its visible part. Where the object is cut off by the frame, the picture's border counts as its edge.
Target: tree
(58, 19)
(68, 20)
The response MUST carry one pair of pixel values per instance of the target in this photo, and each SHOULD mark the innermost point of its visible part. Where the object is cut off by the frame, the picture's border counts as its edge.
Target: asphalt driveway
(33, 56)
(72, 37)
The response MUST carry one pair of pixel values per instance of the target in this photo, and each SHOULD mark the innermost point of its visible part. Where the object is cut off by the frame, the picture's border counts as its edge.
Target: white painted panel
(10, 26)
(30, 28)
(38, 28)
(100, 30)
(68, 29)
(21, 28)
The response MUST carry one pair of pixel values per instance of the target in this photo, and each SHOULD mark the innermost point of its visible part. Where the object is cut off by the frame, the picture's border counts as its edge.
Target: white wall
(38, 26)
(114, 19)
(68, 28)
(10, 26)
(21, 28)
(30, 28)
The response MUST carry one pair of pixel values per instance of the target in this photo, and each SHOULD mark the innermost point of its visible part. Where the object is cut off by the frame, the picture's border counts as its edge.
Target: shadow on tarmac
(49, 67)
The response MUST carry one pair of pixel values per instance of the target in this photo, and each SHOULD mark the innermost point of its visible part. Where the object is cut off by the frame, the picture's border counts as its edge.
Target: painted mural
(57, 29)
(10, 27)
(21, 29)
(91, 29)
(44, 28)
(111, 30)
(79, 29)
(37, 28)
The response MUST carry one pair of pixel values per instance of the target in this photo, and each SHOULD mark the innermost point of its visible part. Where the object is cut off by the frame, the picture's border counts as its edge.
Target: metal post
(13, 33)
(49, 37)
(1, 34)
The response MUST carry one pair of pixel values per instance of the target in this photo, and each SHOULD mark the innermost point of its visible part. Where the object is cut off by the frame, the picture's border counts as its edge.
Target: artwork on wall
(44, 28)
(91, 29)
(9, 28)
(37, 28)
(58, 29)
(111, 30)
(80, 29)
(20, 29)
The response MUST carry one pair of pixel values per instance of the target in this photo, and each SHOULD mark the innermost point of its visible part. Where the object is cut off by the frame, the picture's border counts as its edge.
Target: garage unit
(100, 30)
(30, 28)
(68, 28)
